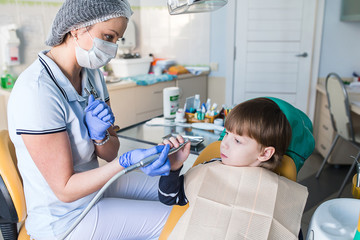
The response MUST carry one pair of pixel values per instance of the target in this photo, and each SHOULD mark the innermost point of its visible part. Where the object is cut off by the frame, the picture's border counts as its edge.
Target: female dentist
(59, 130)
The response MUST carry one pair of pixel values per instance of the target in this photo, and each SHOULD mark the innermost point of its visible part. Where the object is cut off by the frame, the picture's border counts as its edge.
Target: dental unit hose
(142, 163)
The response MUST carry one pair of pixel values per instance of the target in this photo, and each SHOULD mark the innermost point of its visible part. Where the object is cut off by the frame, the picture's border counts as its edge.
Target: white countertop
(121, 84)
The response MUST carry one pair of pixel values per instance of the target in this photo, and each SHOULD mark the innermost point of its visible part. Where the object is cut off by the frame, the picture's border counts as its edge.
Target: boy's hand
(177, 159)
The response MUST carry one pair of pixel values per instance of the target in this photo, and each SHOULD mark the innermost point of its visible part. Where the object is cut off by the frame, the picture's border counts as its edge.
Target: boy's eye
(237, 141)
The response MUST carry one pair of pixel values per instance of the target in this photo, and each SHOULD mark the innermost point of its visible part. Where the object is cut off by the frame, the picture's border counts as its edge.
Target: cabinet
(122, 98)
(324, 133)
(323, 130)
(133, 104)
(149, 100)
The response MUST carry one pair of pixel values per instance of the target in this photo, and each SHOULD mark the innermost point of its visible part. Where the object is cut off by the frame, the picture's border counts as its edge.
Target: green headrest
(302, 142)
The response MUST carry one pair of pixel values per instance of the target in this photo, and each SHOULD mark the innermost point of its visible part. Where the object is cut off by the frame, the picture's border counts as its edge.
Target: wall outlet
(214, 66)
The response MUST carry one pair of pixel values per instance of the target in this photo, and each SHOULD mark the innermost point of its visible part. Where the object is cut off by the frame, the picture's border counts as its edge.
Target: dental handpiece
(142, 163)
(150, 159)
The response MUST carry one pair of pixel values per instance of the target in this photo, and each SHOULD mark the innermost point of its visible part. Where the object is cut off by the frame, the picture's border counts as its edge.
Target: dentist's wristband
(107, 137)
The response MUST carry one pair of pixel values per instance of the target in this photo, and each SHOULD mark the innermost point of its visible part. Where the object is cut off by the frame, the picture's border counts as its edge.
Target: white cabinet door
(274, 42)
(149, 100)
(123, 106)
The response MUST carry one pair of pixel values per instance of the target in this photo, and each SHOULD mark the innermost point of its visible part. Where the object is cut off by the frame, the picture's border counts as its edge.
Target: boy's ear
(266, 154)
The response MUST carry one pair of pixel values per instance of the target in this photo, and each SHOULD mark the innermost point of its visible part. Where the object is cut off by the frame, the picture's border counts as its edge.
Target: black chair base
(9, 231)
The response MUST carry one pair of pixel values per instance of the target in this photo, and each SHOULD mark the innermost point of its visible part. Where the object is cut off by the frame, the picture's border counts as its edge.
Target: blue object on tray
(148, 79)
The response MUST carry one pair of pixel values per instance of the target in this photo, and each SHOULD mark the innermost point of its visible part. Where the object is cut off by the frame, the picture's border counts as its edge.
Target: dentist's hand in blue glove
(98, 118)
(160, 166)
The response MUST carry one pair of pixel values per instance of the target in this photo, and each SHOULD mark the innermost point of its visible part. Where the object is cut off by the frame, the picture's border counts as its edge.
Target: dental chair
(12, 199)
(300, 148)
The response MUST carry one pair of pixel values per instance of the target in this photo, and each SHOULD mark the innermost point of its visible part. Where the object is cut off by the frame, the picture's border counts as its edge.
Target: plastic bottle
(10, 45)
(170, 102)
(7, 80)
(197, 102)
(208, 104)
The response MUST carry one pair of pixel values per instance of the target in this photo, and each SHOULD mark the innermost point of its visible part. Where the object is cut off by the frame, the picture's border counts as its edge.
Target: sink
(335, 219)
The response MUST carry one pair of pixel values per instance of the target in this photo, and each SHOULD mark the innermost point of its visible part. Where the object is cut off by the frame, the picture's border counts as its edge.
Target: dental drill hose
(142, 163)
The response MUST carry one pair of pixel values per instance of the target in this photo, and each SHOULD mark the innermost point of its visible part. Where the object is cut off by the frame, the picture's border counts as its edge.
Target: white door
(274, 44)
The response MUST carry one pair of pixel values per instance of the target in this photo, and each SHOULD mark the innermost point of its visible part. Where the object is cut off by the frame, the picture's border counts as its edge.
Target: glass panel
(350, 10)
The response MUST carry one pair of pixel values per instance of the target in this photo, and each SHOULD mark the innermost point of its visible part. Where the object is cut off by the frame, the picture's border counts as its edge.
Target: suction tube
(142, 163)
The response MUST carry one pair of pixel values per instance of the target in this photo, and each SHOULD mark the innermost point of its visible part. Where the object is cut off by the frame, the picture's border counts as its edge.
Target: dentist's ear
(74, 33)
(266, 154)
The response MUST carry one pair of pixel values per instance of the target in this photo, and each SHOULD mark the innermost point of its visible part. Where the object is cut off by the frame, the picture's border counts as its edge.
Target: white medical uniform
(44, 101)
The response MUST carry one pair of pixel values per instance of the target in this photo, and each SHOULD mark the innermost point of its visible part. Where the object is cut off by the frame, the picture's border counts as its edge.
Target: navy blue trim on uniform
(107, 99)
(48, 70)
(38, 132)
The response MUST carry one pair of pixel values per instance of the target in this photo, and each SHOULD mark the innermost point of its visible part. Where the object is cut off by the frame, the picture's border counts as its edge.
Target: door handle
(304, 55)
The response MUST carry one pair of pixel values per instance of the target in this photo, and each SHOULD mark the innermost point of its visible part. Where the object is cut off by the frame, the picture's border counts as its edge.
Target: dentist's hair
(75, 14)
(262, 120)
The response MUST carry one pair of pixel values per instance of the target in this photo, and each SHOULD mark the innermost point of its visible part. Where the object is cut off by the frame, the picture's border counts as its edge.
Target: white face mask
(99, 55)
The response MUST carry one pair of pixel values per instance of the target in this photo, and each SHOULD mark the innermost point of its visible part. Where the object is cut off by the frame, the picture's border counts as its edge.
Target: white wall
(340, 50)
(191, 39)
(185, 38)
(34, 21)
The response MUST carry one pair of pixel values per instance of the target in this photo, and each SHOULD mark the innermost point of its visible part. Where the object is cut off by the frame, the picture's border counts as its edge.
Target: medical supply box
(122, 67)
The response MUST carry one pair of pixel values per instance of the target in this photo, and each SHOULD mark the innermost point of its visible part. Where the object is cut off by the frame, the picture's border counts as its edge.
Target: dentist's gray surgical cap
(75, 14)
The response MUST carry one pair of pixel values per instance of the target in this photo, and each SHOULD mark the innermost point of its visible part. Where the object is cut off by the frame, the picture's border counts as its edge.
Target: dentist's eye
(108, 37)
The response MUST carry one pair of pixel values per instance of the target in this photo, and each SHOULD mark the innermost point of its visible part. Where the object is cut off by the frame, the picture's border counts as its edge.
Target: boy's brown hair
(262, 120)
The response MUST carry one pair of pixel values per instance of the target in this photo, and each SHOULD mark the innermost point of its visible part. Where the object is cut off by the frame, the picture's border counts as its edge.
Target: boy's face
(240, 151)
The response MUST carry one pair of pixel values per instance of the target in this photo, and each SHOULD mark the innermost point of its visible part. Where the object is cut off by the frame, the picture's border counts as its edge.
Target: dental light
(194, 6)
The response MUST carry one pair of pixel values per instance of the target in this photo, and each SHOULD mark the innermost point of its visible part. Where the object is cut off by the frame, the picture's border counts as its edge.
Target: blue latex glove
(160, 166)
(98, 118)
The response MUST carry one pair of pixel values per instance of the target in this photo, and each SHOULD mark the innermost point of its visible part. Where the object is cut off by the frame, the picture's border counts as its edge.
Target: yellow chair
(286, 169)
(12, 200)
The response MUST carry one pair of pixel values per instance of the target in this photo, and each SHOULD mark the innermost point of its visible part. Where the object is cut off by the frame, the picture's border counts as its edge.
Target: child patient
(257, 135)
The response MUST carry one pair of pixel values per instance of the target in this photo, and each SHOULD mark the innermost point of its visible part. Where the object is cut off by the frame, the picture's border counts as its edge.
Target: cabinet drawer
(150, 98)
(323, 145)
(325, 127)
(323, 106)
